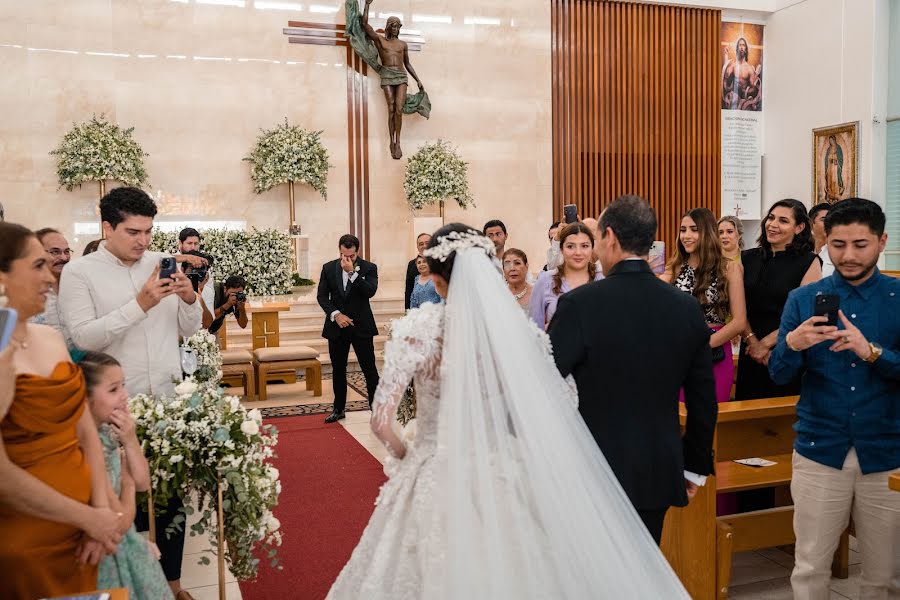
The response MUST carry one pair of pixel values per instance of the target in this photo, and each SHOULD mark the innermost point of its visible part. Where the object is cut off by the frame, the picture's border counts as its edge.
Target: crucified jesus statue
(388, 55)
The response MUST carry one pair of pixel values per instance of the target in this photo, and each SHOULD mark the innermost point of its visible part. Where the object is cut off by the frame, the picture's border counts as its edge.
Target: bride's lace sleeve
(414, 343)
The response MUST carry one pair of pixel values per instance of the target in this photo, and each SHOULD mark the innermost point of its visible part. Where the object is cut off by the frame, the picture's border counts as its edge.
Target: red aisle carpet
(328, 487)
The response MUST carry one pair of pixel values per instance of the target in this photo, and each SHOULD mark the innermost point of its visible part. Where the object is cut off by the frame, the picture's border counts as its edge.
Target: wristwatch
(876, 351)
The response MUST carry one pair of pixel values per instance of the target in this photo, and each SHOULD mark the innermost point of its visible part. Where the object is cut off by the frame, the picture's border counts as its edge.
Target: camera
(240, 296)
(200, 271)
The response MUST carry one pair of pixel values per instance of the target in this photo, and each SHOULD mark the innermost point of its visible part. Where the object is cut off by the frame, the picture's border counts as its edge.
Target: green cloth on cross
(365, 48)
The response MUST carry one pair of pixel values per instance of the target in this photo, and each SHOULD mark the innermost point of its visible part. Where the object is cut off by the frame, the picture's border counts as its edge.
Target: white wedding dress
(502, 492)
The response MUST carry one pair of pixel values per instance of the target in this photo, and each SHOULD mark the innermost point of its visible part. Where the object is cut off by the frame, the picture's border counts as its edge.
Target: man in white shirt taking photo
(115, 301)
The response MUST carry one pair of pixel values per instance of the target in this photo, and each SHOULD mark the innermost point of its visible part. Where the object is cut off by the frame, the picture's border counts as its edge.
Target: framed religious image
(835, 162)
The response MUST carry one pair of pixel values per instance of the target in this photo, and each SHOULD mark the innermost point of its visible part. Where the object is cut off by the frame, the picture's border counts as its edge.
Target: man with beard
(848, 416)
(741, 84)
(388, 55)
(57, 247)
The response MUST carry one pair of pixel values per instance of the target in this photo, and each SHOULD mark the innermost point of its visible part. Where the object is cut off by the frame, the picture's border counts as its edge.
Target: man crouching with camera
(230, 299)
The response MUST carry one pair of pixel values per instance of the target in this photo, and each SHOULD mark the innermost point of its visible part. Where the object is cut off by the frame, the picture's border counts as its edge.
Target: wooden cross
(332, 34)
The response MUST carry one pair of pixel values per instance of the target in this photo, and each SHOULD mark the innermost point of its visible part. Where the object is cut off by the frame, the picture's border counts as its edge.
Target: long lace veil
(533, 509)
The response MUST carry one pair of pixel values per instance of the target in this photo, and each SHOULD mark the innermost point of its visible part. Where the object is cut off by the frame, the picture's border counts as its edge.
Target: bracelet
(749, 335)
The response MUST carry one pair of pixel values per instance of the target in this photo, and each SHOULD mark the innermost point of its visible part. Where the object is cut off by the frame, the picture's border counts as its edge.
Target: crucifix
(334, 34)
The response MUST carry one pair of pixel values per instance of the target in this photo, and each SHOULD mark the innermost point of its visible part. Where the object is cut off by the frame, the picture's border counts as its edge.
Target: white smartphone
(8, 319)
(657, 258)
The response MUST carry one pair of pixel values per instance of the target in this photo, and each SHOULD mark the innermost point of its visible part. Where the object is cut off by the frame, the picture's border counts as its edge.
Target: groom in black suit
(345, 287)
(631, 341)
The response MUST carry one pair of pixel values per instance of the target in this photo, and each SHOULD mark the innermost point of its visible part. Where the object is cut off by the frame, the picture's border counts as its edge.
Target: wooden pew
(698, 544)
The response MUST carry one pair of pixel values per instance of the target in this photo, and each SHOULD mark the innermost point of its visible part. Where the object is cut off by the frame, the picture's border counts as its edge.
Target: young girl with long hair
(132, 566)
(699, 268)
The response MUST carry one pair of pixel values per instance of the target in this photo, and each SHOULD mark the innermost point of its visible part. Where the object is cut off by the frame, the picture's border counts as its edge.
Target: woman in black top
(783, 261)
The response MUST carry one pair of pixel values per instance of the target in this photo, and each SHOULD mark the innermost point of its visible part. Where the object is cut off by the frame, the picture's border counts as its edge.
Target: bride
(502, 491)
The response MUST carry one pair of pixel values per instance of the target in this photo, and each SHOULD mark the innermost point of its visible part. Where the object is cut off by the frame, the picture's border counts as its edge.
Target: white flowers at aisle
(436, 173)
(209, 359)
(200, 437)
(97, 150)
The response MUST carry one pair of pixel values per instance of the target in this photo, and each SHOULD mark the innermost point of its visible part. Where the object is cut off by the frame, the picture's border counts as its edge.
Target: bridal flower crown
(456, 241)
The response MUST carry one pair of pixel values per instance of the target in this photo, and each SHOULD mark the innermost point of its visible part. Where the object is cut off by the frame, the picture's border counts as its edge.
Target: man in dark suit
(632, 342)
(411, 271)
(345, 287)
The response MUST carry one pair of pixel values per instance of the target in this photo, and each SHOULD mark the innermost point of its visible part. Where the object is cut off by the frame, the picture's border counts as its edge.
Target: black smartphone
(167, 267)
(827, 305)
(571, 213)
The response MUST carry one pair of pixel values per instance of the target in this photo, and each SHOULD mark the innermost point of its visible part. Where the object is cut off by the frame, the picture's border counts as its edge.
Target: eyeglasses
(59, 252)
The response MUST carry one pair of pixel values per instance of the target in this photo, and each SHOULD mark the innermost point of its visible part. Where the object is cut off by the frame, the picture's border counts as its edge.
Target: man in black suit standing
(632, 342)
(345, 287)
(411, 271)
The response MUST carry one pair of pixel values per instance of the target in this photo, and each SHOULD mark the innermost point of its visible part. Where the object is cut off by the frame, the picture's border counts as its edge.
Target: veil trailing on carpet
(533, 508)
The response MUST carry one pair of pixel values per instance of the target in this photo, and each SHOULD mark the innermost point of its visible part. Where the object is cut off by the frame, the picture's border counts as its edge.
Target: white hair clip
(456, 241)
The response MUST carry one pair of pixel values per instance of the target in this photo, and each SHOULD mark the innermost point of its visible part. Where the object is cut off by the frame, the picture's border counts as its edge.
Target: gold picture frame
(835, 168)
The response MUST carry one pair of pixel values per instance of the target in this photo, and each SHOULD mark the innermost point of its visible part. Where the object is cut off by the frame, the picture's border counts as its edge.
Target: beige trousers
(824, 499)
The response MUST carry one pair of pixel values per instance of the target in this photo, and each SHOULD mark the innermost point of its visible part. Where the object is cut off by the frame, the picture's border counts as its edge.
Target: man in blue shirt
(848, 416)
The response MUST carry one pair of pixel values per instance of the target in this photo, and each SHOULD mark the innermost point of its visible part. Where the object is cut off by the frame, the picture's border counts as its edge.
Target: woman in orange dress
(54, 515)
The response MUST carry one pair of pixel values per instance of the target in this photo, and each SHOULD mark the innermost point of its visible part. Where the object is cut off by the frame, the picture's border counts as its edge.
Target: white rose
(235, 403)
(256, 415)
(249, 427)
(186, 388)
(175, 458)
(272, 473)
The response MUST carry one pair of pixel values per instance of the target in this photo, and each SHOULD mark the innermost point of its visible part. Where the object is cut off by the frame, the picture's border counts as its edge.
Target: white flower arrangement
(209, 358)
(289, 153)
(262, 257)
(199, 437)
(435, 173)
(97, 150)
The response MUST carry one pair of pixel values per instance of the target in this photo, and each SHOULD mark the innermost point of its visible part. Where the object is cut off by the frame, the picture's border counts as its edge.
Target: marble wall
(197, 79)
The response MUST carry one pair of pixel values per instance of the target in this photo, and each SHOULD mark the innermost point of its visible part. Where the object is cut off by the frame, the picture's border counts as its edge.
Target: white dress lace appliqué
(402, 543)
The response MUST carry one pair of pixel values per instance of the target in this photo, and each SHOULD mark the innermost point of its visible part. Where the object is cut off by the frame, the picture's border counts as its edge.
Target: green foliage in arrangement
(436, 172)
(289, 153)
(98, 150)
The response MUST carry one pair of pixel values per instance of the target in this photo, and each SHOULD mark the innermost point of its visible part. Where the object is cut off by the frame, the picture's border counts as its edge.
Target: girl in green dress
(134, 565)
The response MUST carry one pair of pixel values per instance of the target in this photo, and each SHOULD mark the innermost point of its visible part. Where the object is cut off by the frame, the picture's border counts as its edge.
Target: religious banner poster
(742, 119)
(835, 162)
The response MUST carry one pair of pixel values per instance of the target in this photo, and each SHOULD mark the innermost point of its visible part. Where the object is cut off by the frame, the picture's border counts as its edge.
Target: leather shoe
(333, 417)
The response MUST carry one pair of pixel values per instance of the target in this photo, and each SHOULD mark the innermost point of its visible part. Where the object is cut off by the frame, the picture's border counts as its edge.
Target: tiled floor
(762, 575)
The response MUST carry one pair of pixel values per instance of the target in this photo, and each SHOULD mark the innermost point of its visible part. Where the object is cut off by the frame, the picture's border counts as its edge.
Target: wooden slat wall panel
(636, 107)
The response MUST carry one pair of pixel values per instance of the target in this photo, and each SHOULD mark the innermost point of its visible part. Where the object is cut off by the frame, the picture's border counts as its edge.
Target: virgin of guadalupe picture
(835, 162)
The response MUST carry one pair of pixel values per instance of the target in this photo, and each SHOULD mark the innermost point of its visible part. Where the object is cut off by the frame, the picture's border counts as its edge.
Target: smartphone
(8, 319)
(827, 305)
(167, 267)
(571, 213)
(657, 257)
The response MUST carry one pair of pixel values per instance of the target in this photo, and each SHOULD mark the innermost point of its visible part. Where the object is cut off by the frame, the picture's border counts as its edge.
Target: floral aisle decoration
(288, 154)
(261, 256)
(435, 173)
(199, 439)
(98, 150)
(205, 348)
